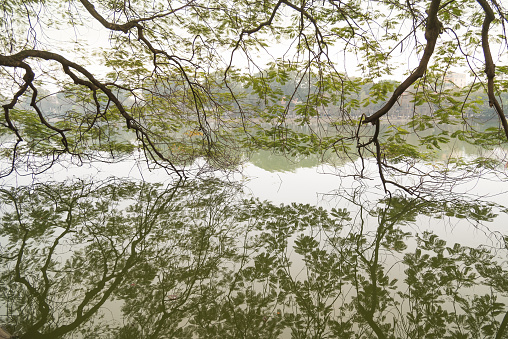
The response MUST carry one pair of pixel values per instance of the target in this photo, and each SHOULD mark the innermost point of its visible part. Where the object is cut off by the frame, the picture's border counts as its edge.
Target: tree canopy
(189, 79)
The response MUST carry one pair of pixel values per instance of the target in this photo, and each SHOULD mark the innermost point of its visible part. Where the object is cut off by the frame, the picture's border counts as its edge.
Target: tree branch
(432, 31)
(128, 25)
(16, 60)
(490, 68)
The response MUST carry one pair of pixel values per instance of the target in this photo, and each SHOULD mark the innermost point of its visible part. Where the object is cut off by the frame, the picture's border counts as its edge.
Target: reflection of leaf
(264, 264)
(305, 244)
(198, 261)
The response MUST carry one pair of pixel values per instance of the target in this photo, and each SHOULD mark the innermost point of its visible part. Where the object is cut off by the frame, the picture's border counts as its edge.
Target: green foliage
(202, 81)
(195, 87)
(194, 259)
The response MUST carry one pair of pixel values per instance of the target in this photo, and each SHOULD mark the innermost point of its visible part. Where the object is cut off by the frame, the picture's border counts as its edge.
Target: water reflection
(454, 154)
(196, 259)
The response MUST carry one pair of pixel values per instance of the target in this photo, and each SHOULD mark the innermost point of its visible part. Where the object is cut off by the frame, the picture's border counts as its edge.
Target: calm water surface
(284, 249)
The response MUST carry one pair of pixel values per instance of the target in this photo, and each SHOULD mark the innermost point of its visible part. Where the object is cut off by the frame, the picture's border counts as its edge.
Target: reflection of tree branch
(112, 269)
(502, 327)
(387, 221)
(358, 261)
(43, 306)
(368, 316)
(372, 266)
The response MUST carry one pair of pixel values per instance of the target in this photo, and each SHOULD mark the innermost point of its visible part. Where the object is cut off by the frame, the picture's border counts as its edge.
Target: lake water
(317, 255)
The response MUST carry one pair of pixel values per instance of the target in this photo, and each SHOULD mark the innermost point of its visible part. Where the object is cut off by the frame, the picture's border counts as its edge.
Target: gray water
(318, 255)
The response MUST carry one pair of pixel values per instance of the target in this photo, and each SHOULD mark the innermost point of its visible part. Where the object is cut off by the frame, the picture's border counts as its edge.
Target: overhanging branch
(432, 31)
(89, 81)
(490, 68)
